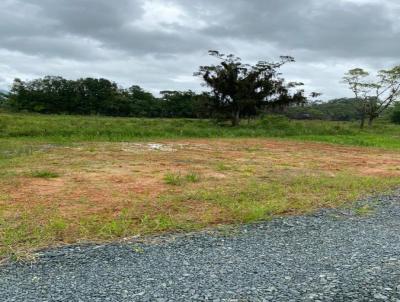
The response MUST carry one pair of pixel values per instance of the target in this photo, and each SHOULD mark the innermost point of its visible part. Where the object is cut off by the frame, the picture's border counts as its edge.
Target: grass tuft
(174, 179)
(222, 167)
(177, 179)
(192, 177)
(365, 210)
(44, 174)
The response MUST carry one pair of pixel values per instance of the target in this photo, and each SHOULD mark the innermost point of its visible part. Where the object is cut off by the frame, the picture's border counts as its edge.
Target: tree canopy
(373, 96)
(241, 89)
(343, 109)
(56, 95)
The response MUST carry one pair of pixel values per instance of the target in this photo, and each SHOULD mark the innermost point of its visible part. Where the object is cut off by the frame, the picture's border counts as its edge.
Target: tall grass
(30, 128)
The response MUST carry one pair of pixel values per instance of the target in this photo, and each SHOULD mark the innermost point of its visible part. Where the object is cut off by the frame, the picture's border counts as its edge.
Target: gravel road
(334, 255)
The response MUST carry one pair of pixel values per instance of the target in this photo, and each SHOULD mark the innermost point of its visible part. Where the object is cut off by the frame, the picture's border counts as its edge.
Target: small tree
(241, 89)
(373, 97)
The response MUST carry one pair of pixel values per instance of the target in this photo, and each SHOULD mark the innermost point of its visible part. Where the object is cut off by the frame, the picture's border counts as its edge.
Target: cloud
(158, 44)
(327, 28)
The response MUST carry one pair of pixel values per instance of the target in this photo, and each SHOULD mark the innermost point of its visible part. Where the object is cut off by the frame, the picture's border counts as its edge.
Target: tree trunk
(370, 120)
(236, 118)
(362, 122)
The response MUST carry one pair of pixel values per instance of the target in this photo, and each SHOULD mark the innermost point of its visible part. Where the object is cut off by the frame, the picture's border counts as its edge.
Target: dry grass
(112, 190)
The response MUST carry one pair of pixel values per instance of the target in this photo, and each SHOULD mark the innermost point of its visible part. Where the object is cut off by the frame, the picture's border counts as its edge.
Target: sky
(159, 44)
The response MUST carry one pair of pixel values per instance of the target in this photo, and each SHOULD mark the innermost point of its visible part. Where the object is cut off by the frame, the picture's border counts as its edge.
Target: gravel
(332, 255)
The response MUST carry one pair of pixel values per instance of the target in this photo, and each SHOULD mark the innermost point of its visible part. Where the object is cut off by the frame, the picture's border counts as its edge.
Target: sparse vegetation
(222, 167)
(44, 174)
(177, 179)
(174, 179)
(192, 177)
(364, 210)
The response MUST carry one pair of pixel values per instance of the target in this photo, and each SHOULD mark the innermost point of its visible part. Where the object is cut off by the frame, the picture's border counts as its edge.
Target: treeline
(343, 109)
(237, 90)
(90, 96)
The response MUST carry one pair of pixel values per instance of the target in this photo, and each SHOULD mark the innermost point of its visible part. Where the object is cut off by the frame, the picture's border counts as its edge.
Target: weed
(137, 249)
(364, 210)
(192, 177)
(174, 179)
(220, 166)
(56, 229)
(44, 174)
(21, 256)
(119, 227)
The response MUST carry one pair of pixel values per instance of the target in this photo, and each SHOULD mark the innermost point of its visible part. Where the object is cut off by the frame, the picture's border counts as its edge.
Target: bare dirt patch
(114, 172)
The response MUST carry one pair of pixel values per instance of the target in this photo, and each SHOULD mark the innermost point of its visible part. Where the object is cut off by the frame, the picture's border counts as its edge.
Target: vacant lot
(66, 179)
(57, 194)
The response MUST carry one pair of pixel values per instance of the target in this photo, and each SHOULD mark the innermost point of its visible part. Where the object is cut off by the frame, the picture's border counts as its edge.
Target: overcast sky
(158, 44)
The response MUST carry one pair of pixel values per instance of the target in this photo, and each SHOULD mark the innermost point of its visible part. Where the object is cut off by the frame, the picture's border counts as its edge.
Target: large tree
(373, 96)
(241, 89)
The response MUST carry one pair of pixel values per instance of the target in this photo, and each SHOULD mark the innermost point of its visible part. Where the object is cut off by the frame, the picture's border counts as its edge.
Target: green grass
(364, 210)
(222, 167)
(192, 177)
(44, 174)
(174, 179)
(20, 133)
(255, 200)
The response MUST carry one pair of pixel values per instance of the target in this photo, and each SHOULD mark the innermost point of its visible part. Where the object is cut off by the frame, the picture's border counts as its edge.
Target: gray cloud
(332, 28)
(159, 43)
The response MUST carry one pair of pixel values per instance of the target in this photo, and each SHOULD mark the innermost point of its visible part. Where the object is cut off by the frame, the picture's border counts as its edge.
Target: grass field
(71, 179)
(22, 130)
